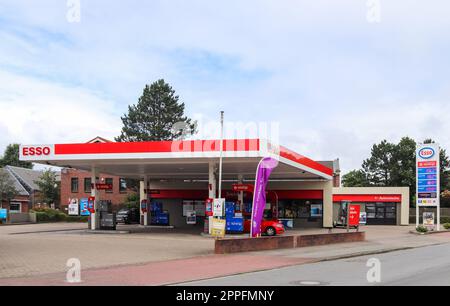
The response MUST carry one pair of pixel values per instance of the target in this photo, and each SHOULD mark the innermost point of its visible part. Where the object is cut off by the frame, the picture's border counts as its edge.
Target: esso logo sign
(426, 153)
(36, 151)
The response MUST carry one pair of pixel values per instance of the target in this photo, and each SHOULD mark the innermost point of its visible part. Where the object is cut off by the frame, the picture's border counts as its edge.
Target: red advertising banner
(354, 213)
(103, 186)
(243, 187)
(427, 164)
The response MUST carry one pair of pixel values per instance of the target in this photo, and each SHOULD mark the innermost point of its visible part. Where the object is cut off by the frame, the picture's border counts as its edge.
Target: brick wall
(116, 196)
(24, 200)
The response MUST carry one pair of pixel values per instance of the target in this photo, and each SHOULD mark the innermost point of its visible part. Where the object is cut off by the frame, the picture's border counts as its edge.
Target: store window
(109, 181)
(300, 209)
(15, 207)
(122, 185)
(74, 184)
(87, 185)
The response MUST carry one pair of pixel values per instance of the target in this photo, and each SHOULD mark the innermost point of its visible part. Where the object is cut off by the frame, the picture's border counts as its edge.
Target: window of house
(87, 185)
(109, 181)
(15, 207)
(74, 184)
(122, 185)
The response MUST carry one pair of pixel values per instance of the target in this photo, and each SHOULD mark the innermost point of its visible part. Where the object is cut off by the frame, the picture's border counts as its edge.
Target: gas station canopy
(184, 159)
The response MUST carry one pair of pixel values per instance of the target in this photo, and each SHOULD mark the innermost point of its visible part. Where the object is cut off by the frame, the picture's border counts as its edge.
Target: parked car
(128, 216)
(268, 227)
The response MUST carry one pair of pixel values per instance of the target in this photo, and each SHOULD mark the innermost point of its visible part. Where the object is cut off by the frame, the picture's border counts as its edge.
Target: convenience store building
(181, 175)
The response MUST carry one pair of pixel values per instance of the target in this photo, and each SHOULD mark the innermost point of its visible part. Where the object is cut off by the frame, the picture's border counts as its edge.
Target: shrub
(445, 220)
(421, 229)
(447, 226)
(53, 215)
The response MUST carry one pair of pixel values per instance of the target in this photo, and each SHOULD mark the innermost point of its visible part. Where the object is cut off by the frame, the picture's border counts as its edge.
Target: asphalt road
(421, 266)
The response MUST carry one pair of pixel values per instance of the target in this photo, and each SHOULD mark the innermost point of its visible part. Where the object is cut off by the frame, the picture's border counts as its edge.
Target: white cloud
(335, 83)
(36, 111)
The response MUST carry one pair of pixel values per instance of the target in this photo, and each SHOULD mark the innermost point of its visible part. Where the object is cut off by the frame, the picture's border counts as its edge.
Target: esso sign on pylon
(426, 153)
(30, 151)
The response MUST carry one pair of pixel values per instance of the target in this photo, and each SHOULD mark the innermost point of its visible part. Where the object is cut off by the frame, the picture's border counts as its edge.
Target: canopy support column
(143, 191)
(95, 217)
(212, 186)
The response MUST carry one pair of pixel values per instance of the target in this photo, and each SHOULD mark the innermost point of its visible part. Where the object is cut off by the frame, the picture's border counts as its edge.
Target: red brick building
(21, 202)
(77, 184)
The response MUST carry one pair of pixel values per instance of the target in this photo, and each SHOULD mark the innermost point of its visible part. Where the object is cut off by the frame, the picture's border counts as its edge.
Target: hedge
(53, 215)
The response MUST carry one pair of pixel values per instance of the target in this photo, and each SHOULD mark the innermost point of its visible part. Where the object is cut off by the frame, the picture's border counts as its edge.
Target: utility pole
(221, 154)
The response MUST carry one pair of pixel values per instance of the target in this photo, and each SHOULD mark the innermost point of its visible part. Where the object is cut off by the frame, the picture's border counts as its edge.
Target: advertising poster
(74, 208)
(363, 218)
(428, 220)
(3, 214)
(191, 217)
(218, 207)
(218, 228)
(84, 207)
(354, 213)
(316, 210)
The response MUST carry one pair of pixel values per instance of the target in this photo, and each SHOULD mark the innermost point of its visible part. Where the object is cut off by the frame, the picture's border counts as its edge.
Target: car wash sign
(428, 170)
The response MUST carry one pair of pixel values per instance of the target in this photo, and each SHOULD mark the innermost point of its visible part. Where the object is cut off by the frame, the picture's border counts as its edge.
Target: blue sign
(427, 183)
(3, 214)
(235, 225)
(84, 204)
(427, 177)
(427, 170)
(428, 189)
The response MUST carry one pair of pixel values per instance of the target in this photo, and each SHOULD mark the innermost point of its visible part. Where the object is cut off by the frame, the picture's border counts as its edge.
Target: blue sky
(334, 82)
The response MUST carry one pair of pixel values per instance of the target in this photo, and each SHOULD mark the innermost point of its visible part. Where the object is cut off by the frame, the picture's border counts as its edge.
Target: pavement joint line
(313, 260)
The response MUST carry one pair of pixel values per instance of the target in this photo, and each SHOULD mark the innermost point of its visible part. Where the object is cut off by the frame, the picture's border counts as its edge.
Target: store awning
(188, 159)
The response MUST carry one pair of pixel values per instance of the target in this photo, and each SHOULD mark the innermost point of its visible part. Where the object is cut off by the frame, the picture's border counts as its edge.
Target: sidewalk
(380, 239)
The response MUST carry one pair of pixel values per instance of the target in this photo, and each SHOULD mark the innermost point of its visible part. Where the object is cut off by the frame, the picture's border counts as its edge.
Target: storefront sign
(101, 186)
(243, 187)
(218, 207)
(354, 213)
(428, 191)
(218, 228)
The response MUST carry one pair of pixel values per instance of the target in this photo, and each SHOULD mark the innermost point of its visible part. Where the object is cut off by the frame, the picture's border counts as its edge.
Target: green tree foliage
(158, 115)
(7, 189)
(355, 178)
(11, 157)
(49, 187)
(378, 168)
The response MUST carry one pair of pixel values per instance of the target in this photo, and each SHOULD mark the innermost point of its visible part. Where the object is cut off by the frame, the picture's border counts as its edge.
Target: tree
(49, 187)
(355, 178)
(7, 189)
(11, 157)
(378, 168)
(158, 115)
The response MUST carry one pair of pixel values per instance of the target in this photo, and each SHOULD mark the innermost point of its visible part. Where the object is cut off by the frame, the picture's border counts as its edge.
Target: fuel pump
(91, 205)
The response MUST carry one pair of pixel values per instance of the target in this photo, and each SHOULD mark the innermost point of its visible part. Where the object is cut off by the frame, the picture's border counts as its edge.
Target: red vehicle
(268, 227)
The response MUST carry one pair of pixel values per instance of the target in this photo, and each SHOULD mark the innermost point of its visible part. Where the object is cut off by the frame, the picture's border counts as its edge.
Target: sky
(329, 78)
